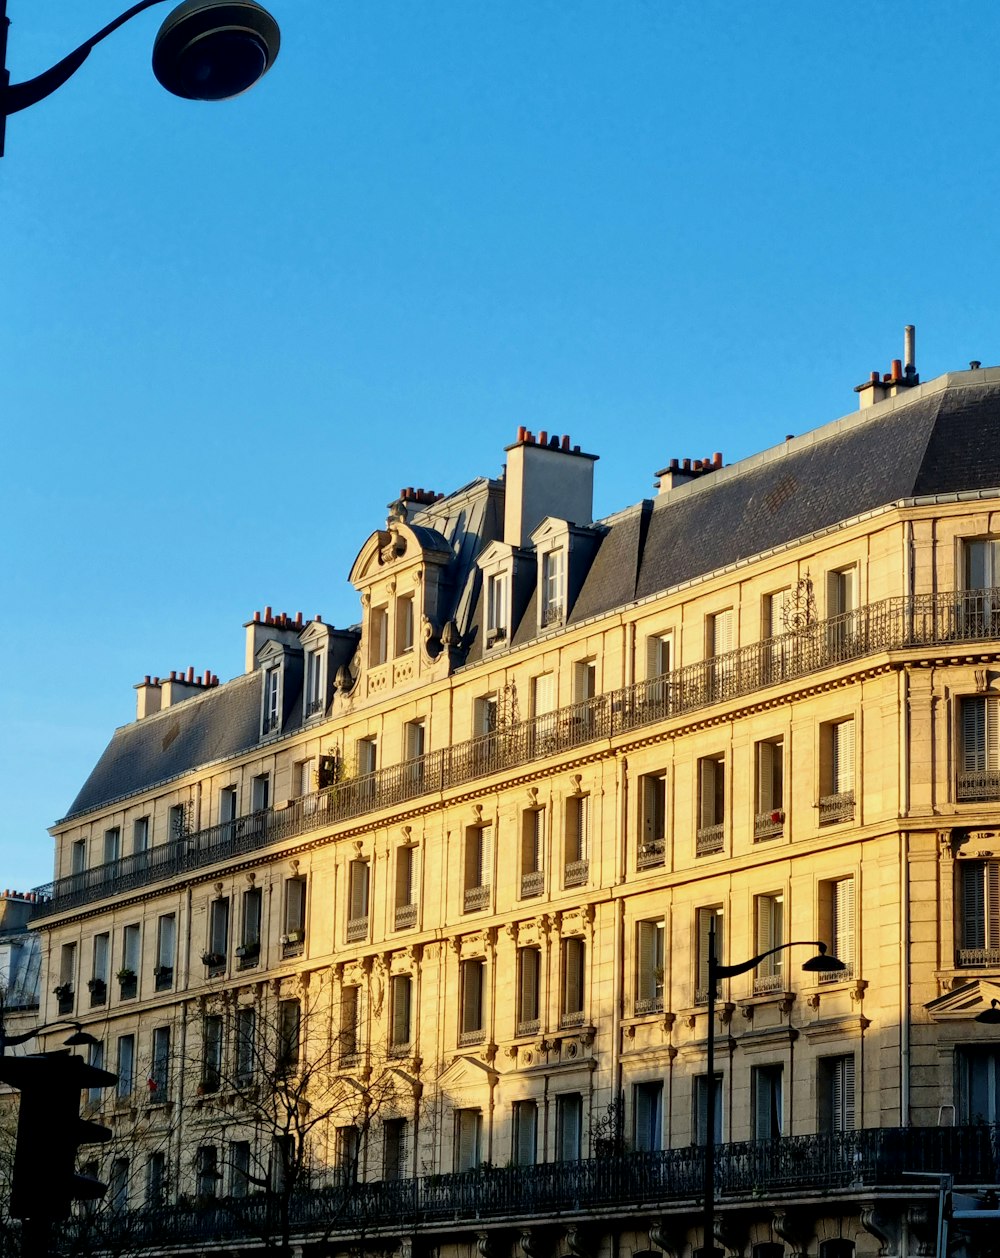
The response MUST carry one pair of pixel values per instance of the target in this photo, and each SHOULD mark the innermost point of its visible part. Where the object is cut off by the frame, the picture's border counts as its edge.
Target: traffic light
(49, 1131)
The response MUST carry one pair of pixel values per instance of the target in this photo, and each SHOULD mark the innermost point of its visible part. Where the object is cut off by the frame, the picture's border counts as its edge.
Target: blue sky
(232, 332)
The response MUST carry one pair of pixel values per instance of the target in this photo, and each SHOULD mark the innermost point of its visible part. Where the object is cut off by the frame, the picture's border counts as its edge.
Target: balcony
(978, 958)
(710, 839)
(895, 624)
(405, 916)
(475, 898)
(979, 785)
(532, 883)
(834, 809)
(576, 873)
(768, 825)
(867, 1162)
(651, 853)
(357, 929)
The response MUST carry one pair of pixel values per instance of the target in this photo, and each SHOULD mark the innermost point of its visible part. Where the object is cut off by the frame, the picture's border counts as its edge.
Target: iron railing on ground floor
(926, 620)
(626, 1182)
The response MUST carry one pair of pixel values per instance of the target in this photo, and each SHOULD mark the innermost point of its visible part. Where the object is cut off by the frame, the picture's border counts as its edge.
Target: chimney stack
(547, 477)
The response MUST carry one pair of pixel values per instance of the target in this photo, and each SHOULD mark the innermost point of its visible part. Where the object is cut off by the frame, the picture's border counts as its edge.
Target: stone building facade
(455, 866)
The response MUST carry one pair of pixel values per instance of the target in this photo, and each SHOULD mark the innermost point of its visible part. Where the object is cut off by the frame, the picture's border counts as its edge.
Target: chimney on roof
(543, 477)
(148, 694)
(903, 374)
(266, 628)
(676, 473)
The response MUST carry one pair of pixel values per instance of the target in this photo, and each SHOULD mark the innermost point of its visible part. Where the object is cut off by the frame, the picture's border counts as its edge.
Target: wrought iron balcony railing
(924, 620)
(869, 1160)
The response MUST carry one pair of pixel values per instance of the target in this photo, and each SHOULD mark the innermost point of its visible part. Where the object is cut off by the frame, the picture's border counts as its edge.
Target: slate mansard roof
(942, 437)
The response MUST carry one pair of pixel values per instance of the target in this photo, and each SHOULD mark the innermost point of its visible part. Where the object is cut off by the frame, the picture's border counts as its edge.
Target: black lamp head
(79, 1036)
(214, 49)
(991, 1016)
(823, 964)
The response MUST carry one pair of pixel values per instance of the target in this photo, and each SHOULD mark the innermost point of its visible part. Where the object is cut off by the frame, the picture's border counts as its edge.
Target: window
(659, 655)
(129, 972)
(404, 624)
(576, 862)
(289, 1034)
(525, 1133)
(573, 955)
(348, 1152)
(978, 1085)
(837, 1249)
(532, 848)
(211, 1053)
(497, 628)
(272, 700)
(393, 1148)
(553, 592)
(468, 1135)
(283, 1161)
(836, 922)
(246, 1044)
(78, 857)
(400, 1015)
(249, 947)
(228, 803)
(529, 972)
(67, 978)
(776, 612)
(218, 935)
(350, 1019)
(96, 1058)
(99, 976)
(569, 1127)
(701, 1108)
(836, 801)
(584, 680)
(260, 792)
(178, 822)
(979, 890)
(357, 901)
(239, 1168)
(979, 761)
(711, 804)
(478, 861)
(473, 988)
(836, 1093)
(166, 944)
(841, 602)
(367, 755)
(769, 917)
(112, 845)
(118, 1185)
(647, 1109)
(305, 777)
(126, 1065)
(767, 1102)
(159, 1075)
(769, 812)
(406, 887)
(207, 1163)
(652, 819)
(721, 635)
(485, 715)
(414, 744)
(315, 688)
(156, 1180)
(649, 967)
(543, 694)
(378, 642)
(982, 563)
(295, 916)
(140, 835)
(706, 919)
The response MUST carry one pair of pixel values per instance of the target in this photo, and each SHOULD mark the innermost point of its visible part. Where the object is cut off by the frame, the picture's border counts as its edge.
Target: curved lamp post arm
(10, 1040)
(744, 967)
(19, 96)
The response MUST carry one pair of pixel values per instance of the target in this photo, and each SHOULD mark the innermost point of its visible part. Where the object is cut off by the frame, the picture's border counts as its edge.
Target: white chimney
(545, 477)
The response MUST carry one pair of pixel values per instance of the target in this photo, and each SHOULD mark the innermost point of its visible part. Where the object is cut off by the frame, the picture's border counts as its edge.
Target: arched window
(769, 1249)
(837, 1249)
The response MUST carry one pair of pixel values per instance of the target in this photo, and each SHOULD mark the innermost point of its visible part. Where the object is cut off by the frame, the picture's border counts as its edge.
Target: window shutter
(401, 985)
(765, 777)
(843, 757)
(468, 1139)
(765, 923)
(583, 827)
(843, 1094)
(973, 735)
(707, 815)
(993, 904)
(359, 890)
(843, 920)
(530, 966)
(472, 995)
(643, 1119)
(573, 976)
(527, 1120)
(485, 855)
(647, 960)
(973, 904)
(723, 632)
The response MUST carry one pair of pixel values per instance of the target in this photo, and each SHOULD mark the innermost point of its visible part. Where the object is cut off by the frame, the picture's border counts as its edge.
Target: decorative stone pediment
(467, 1072)
(965, 1002)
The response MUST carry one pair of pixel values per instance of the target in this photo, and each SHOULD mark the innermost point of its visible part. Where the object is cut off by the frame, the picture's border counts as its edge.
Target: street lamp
(76, 1039)
(991, 1016)
(205, 50)
(819, 964)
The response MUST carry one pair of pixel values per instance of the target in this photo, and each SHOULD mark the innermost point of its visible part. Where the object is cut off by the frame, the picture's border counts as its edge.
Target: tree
(291, 1082)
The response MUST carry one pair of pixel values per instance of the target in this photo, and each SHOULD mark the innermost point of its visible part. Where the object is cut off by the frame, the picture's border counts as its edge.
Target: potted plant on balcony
(248, 951)
(127, 980)
(98, 989)
(63, 992)
(292, 937)
(213, 959)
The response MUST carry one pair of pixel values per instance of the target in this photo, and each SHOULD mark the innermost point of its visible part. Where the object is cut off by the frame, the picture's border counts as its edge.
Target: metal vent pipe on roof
(909, 349)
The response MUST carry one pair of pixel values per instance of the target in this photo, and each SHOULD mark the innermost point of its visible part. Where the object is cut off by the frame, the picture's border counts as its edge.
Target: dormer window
(404, 624)
(315, 682)
(272, 700)
(378, 629)
(553, 589)
(496, 609)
